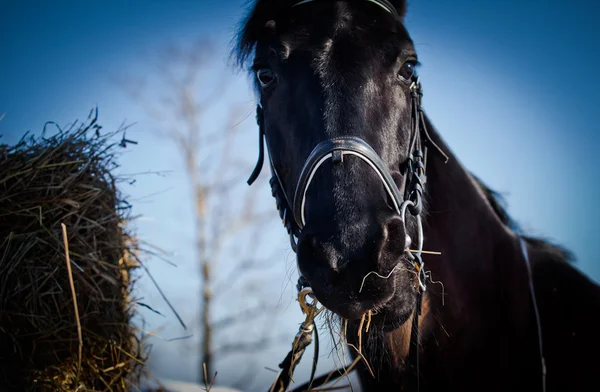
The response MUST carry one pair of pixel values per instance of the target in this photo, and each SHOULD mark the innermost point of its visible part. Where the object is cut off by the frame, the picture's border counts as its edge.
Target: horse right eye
(265, 76)
(407, 72)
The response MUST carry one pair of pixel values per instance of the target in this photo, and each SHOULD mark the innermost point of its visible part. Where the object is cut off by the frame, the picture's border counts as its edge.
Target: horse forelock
(498, 204)
(252, 29)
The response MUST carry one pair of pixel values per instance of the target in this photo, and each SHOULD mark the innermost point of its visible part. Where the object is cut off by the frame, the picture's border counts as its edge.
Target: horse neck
(481, 268)
(480, 254)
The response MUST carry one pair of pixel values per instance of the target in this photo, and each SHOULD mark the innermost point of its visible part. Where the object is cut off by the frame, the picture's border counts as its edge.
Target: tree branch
(187, 87)
(245, 315)
(252, 346)
(237, 273)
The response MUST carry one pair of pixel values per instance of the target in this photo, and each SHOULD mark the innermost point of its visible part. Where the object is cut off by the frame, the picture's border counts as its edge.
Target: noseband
(335, 149)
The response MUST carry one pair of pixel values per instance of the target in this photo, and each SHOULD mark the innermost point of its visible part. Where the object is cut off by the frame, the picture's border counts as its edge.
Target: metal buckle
(309, 308)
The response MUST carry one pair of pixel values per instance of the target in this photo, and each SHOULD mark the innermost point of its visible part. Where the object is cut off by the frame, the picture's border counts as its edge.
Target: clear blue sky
(512, 86)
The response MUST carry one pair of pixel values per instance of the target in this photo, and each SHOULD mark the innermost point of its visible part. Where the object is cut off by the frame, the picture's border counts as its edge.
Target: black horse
(362, 181)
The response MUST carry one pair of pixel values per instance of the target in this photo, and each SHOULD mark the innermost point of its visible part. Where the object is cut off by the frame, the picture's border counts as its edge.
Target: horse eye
(407, 72)
(265, 76)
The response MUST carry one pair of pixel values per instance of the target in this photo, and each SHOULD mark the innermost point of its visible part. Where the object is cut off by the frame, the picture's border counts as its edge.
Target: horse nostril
(308, 245)
(394, 241)
(312, 254)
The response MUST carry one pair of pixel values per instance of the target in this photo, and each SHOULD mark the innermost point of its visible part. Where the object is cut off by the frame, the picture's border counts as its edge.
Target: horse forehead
(342, 57)
(345, 70)
(347, 50)
(344, 33)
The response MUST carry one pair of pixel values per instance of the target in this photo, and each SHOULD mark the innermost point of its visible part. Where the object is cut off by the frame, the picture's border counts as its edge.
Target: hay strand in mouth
(360, 327)
(428, 275)
(346, 374)
(74, 294)
(361, 356)
(359, 349)
(345, 327)
(369, 314)
(339, 346)
(396, 267)
(425, 252)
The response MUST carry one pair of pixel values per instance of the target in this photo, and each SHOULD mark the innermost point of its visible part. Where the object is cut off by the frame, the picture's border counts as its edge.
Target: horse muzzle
(349, 280)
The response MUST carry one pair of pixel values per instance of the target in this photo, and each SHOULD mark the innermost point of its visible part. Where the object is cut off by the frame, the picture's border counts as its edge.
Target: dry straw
(65, 312)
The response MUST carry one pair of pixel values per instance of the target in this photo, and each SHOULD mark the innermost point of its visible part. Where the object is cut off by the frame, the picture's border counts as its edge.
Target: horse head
(339, 107)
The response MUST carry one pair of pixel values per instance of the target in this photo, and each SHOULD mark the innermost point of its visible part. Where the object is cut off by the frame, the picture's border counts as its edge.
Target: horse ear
(400, 6)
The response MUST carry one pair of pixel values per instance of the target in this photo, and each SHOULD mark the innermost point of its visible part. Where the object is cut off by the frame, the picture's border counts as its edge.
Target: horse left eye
(407, 72)
(265, 76)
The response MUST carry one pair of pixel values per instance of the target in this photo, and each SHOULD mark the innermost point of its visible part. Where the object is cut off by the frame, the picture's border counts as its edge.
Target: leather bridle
(408, 197)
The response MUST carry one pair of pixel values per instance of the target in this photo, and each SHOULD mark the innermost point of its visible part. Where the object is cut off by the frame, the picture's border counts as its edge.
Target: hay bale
(45, 182)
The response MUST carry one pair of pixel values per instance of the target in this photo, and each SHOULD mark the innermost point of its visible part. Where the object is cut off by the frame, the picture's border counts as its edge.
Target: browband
(386, 5)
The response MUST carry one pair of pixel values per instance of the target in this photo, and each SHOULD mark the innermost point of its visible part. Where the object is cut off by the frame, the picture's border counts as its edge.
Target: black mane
(498, 203)
(252, 28)
(255, 26)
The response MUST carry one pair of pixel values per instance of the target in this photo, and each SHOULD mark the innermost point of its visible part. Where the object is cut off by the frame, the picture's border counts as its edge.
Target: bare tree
(186, 91)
